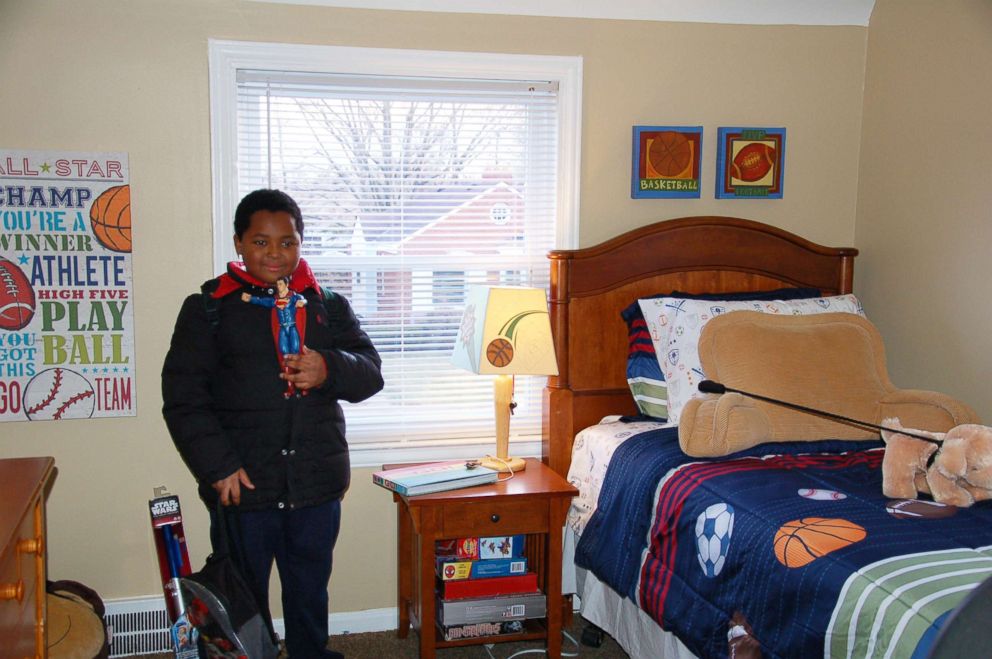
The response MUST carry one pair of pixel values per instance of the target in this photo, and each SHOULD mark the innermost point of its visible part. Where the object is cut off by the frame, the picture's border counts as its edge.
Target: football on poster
(750, 163)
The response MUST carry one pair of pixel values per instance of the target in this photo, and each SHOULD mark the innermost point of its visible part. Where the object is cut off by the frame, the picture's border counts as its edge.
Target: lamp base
(504, 465)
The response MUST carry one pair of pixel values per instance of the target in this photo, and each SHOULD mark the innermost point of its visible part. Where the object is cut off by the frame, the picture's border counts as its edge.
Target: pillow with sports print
(674, 324)
(644, 375)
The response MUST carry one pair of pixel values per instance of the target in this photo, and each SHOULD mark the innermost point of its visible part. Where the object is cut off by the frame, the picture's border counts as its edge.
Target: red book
(489, 587)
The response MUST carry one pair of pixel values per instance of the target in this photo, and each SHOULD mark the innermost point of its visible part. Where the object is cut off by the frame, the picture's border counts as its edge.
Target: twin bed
(778, 550)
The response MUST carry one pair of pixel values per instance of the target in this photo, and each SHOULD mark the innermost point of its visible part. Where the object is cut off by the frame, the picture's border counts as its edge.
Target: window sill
(376, 456)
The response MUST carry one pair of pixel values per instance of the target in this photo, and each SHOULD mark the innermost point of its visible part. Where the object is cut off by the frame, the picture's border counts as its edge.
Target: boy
(281, 460)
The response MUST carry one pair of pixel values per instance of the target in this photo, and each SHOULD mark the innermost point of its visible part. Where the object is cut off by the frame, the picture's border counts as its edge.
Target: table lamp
(505, 331)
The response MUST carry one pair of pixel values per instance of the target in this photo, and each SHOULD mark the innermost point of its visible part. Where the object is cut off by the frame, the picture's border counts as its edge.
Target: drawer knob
(30, 545)
(12, 591)
(494, 518)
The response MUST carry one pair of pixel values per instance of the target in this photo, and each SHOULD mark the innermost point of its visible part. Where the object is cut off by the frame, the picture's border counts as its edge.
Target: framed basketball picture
(666, 162)
(750, 163)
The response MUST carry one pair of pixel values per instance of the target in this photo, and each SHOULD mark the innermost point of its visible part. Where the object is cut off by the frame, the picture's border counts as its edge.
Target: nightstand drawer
(486, 518)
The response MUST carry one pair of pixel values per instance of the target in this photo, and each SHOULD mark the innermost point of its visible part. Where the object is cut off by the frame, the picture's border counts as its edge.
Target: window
(419, 174)
(449, 288)
(500, 213)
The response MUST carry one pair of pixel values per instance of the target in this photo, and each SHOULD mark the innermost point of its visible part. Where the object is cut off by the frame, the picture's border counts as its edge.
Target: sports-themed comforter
(795, 540)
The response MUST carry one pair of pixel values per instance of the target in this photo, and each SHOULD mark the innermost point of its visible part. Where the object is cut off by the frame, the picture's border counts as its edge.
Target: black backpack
(222, 607)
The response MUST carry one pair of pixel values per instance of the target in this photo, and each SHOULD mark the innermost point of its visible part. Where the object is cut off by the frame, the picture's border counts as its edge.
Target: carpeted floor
(385, 645)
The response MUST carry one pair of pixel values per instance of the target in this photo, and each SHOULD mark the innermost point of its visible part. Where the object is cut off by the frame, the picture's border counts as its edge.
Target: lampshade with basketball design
(505, 331)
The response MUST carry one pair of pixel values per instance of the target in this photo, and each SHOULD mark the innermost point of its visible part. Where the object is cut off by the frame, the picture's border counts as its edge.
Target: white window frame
(227, 57)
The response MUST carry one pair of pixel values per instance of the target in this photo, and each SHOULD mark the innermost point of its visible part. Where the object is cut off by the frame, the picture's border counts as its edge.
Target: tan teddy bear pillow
(833, 362)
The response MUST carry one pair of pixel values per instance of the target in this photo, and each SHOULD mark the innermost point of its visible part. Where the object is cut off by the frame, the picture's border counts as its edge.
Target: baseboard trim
(353, 622)
(139, 624)
(359, 622)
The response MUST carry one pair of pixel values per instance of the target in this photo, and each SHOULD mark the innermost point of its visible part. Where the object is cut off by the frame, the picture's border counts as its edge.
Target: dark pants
(301, 542)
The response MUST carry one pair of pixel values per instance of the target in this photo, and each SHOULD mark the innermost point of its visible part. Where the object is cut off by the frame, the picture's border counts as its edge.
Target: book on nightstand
(490, 609)
(449, 568)
(480, 629)
(471, 549)
(518, 584)
(434, 477)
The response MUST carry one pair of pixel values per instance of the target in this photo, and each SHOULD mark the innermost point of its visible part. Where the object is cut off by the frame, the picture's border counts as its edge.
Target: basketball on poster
(66, 324)
(666, 161)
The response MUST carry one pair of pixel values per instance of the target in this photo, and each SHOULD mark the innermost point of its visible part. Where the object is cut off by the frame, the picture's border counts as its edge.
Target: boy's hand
(308, 369)
(229, 489)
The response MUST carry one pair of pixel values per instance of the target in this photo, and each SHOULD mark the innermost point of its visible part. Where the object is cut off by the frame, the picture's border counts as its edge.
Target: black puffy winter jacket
(224, 402)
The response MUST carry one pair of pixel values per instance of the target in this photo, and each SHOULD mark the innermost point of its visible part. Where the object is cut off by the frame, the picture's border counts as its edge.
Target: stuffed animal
(962, 472)
(957, 472)
(904, 467)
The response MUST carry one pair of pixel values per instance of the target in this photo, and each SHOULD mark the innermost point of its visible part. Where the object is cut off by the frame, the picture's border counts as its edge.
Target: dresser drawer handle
(12, 591)
(494, 518)
(30, 545)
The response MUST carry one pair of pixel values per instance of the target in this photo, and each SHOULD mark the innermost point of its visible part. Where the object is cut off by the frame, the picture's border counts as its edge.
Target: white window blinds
(412, 189)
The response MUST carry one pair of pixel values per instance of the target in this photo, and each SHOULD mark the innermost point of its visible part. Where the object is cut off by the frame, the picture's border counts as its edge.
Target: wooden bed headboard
(591, 286)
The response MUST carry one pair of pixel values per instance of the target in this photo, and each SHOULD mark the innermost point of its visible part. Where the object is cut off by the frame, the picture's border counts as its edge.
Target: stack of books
(484, 587)
(434, 477)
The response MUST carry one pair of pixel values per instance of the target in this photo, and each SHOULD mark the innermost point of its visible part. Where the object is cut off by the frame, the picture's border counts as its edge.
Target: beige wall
(924, 223)
(131, 75)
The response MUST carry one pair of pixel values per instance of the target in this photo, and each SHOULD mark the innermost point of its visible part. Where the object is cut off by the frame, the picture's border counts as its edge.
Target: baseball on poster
(66, 323)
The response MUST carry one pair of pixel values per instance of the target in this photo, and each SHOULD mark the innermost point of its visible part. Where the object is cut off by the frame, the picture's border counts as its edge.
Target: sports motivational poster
(666, 161)
(750, 163)
(66, 324)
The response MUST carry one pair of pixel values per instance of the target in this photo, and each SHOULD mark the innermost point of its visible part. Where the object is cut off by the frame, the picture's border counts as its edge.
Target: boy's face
(270, 246)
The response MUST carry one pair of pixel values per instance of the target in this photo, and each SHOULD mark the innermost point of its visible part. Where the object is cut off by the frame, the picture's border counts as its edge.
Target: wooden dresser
(23, 486)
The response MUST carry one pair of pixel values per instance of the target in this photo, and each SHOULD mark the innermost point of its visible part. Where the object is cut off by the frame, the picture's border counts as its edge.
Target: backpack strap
(328, 299)
(211, 305)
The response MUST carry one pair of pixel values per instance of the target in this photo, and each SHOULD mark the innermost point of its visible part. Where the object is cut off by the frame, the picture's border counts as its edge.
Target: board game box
(517, 584)
(453, 569)
(500, 546)
(491, 609)
(479, 629)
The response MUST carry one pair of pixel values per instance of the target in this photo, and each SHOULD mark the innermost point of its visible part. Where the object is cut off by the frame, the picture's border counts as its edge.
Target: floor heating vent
(139, 626)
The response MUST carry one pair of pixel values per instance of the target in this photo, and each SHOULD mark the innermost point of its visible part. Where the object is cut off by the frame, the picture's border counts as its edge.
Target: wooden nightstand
(533, 502)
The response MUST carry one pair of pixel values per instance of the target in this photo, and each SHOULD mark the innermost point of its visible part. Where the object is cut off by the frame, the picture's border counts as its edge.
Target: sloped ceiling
(751, 12)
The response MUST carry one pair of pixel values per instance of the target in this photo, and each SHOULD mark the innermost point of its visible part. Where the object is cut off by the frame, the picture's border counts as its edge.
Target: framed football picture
(666, 162)
(750, 163)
